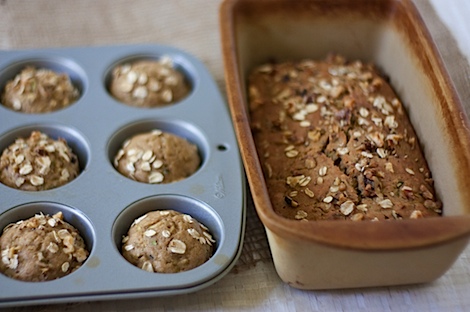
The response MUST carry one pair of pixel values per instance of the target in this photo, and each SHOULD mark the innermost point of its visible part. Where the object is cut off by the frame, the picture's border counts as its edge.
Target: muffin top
(148, 83)
(38, 163)
(41, 248)
(167, 241)
(39, 91)
(157, 157)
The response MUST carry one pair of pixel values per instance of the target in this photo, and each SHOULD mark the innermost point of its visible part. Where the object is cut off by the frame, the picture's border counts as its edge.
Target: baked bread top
(335, 142)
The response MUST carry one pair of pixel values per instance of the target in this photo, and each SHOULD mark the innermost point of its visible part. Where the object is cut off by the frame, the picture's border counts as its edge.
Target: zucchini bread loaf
(336, 143)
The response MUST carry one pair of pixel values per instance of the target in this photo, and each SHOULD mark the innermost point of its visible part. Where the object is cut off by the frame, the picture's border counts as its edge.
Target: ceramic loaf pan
(101, 203)
(391, 34)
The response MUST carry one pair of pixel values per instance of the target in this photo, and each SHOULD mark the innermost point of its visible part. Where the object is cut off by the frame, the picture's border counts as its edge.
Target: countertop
(192, 25)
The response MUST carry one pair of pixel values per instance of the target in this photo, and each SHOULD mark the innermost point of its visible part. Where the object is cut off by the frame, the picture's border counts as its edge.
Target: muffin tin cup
(100, 201)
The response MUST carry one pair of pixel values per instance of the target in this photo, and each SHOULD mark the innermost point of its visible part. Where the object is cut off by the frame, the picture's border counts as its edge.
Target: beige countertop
(192, 25)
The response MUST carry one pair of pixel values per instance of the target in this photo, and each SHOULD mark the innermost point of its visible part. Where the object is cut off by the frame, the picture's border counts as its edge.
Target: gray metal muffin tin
(101, 203)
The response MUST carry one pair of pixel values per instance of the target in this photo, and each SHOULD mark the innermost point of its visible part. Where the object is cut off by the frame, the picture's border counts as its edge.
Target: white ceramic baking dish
(390, 33)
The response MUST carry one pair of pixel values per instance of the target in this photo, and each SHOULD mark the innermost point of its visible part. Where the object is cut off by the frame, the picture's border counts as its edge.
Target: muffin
(157, 157)
(39, 91)
(167, 241)
(41, 248)
(38, 163)
(148, 83)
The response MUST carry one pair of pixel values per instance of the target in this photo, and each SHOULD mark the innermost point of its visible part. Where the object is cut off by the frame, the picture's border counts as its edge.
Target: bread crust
(336, 143)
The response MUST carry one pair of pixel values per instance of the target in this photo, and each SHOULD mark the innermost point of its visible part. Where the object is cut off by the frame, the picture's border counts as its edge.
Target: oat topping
(386, 203)
(194, 233)
(209, 239)
(156, 177)
(188, 218)
(65, 267)
(328, 199)
(334, 140)
(147, 266)
(150, 233)
(137, 221)
(177, 246)
(347, 207)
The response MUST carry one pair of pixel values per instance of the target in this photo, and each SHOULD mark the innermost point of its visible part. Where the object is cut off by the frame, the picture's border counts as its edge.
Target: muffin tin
(101, 203)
